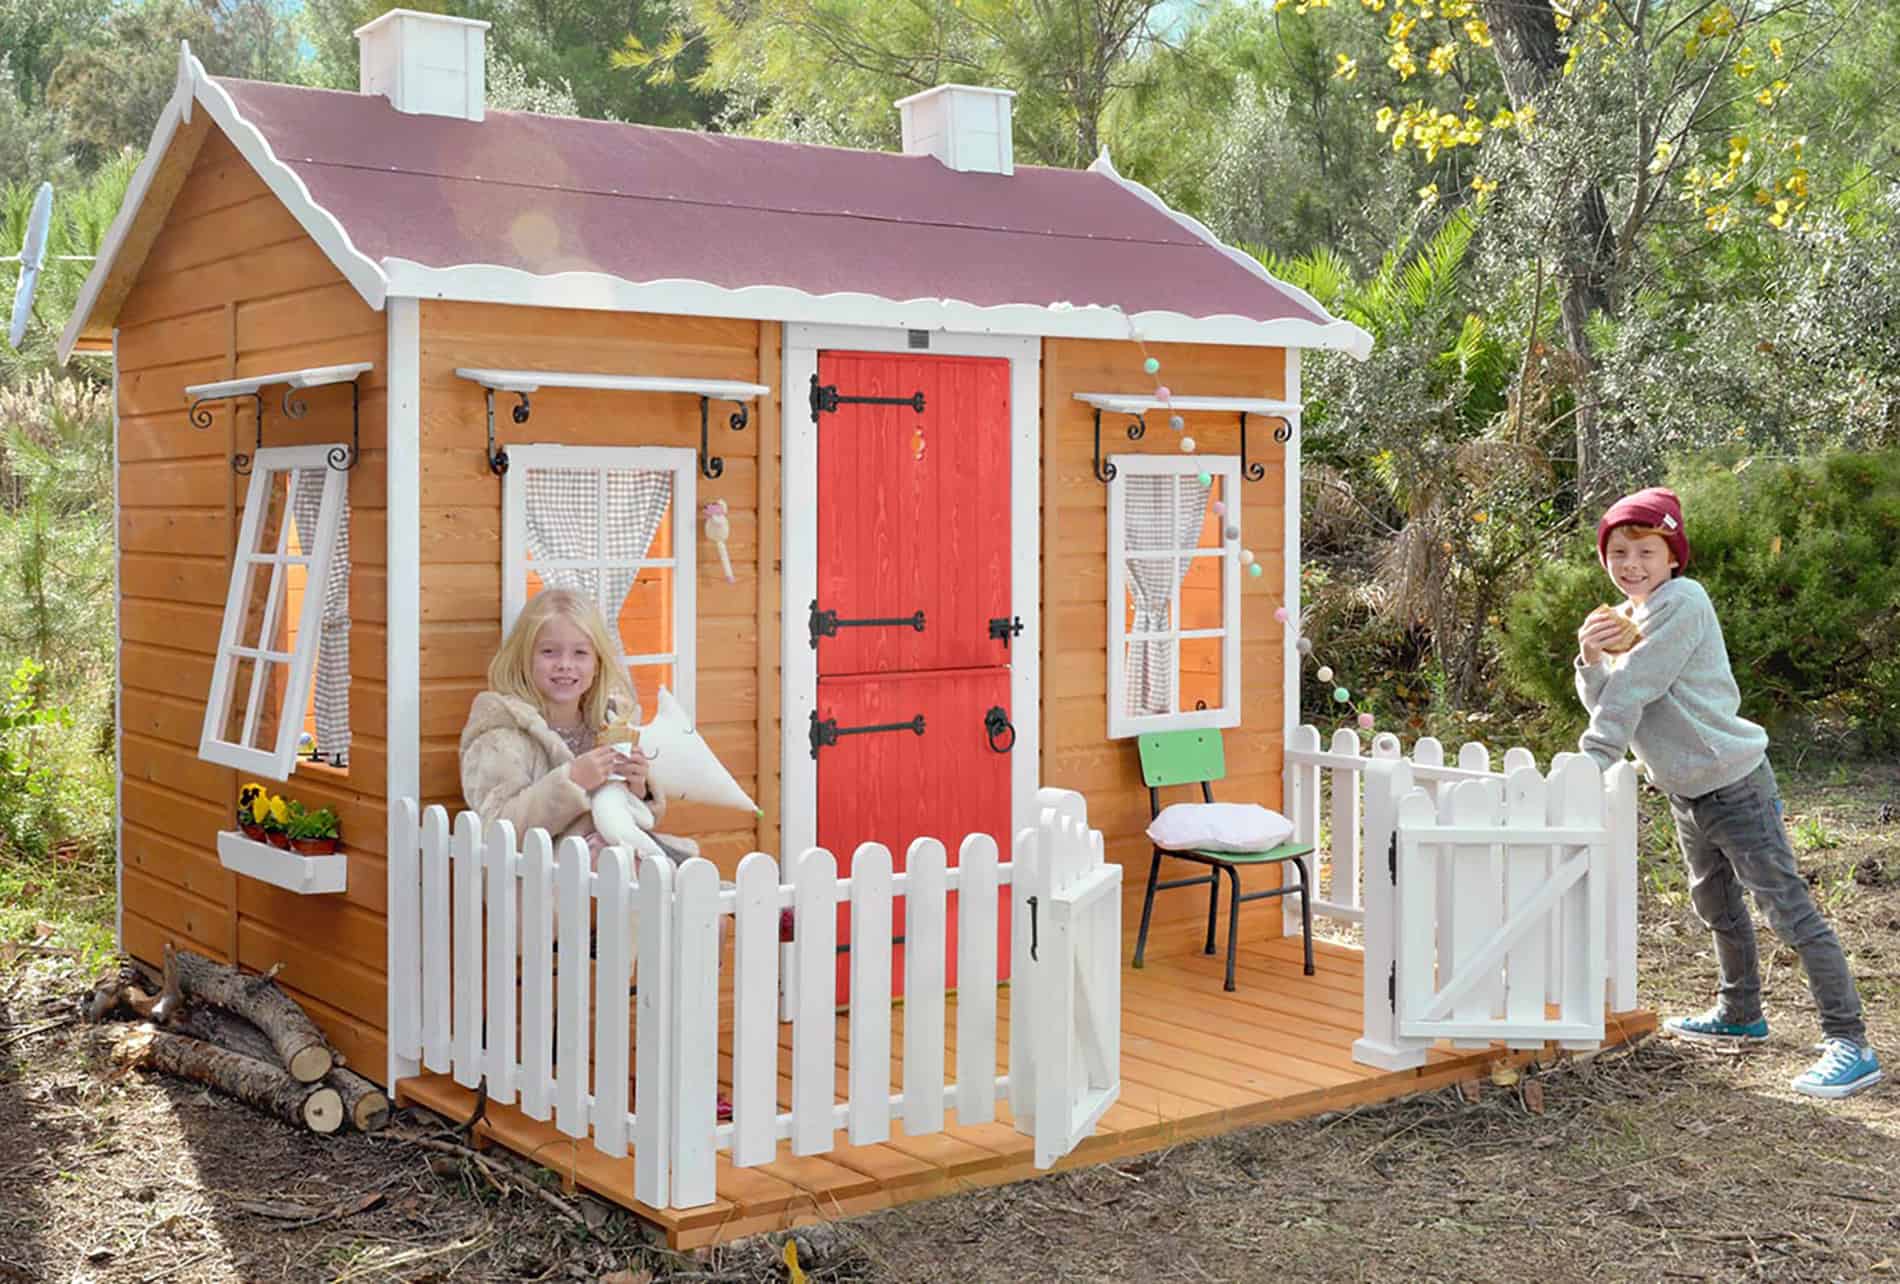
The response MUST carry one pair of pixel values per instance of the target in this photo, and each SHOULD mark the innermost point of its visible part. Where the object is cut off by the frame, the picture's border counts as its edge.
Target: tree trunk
(365, 1105)
(300, 1046)
(214, 1025)
(1524, 39)
(256, 1083)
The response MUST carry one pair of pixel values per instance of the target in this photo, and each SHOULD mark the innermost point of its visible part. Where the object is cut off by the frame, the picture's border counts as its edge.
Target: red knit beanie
(1656, 507)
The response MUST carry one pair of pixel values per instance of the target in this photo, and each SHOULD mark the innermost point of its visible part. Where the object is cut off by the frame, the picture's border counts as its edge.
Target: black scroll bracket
(498, 456)
(201, 418)
(341, 458)
(1254, 470)
(1104, 470)
(711, 466)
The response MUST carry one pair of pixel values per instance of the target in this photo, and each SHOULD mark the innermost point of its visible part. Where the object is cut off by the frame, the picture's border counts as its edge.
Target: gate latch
(1003, 628)
(827, 731)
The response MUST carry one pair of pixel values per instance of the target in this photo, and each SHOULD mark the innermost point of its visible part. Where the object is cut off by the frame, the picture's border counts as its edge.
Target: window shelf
(252, 386)
(523, 382)
(305, 875)
(1136, 406)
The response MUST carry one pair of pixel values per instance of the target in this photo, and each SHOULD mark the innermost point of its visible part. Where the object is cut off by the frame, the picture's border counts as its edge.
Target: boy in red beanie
(1672, 699)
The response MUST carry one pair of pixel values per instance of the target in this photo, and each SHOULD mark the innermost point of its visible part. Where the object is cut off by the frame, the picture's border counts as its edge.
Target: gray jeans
(1733, 838)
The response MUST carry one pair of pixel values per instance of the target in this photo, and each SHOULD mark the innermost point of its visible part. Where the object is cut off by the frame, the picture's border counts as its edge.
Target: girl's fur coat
(515, 768)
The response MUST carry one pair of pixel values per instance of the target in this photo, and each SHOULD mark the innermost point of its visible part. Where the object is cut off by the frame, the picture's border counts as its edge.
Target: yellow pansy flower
(1345, 68)
(1478, 31)
(1441, 58)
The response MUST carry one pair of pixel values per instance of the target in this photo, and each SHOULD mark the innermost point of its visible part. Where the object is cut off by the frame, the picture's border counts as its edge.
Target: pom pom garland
(1324, 673)
(1256, 570)
(1187, 445)
(1205, 479)
(1151, 365)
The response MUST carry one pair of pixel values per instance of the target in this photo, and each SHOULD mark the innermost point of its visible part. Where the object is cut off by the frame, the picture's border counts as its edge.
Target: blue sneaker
(1709, 1027)
(1844, 1069)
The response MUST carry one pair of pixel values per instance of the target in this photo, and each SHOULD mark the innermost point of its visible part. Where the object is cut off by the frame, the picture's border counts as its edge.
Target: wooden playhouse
(387, 363)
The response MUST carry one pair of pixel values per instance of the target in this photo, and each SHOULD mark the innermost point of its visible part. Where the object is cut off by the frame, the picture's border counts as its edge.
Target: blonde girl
(529, 751)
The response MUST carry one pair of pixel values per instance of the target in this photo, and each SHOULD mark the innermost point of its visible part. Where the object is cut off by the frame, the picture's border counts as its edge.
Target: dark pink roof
(549, 194)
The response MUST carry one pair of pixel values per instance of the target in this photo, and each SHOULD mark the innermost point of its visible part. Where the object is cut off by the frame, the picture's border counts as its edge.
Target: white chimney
(966, 127)
(426, 64)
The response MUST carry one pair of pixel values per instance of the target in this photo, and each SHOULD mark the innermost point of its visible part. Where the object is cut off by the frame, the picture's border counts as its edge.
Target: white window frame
(278, 761)
(1121, 724)
(683, 463)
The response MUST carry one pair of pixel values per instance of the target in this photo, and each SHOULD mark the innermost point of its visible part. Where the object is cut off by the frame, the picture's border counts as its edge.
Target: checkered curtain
(1161, 513)
(333, 633)
(567, 520)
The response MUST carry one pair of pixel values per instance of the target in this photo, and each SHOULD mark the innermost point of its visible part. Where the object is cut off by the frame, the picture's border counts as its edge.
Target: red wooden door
(913, 527)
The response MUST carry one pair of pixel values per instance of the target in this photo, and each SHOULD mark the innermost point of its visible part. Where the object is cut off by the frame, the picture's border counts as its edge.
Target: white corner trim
(1347, 337)
(118, 678)
(358, 268)
(403, 633)
(492, 283)
(1290, 559)
(187, 85)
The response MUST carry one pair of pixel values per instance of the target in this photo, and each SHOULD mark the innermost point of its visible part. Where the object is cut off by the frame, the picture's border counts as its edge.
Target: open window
(614, 523)
(283, 608)
(1173, 593)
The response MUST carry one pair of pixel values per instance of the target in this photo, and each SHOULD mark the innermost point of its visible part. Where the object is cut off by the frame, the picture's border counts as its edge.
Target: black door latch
(1003, 628)
(996, 724)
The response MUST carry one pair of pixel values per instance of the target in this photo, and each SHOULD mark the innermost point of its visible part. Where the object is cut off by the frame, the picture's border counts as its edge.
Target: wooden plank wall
(1077, 753)
(461, 520)
(233, 286)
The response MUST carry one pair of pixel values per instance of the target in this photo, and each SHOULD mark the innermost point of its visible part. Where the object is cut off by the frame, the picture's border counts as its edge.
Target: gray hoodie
(1672, 699)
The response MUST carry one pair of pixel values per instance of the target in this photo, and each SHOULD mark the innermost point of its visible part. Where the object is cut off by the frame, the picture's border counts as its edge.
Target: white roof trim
(394, 14)
(533, 380)
(312, 377)
(176, 112)
(358, 268)
(195, 86)
(488, 283)
(1348, 338)
(1138, 403)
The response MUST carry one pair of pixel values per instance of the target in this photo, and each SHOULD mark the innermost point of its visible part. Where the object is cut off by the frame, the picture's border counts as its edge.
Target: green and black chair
(1170, 758)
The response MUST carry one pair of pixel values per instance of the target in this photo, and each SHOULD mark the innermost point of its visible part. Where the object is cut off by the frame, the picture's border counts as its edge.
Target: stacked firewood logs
(242, 1035)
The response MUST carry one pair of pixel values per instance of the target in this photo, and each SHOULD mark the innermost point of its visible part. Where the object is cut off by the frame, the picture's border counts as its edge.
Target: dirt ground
(1658, 1162)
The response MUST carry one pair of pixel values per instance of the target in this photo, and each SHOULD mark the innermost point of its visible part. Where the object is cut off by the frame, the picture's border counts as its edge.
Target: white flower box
(306, 875)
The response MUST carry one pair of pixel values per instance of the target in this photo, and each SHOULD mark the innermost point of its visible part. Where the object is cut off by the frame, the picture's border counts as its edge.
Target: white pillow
(1219, 827)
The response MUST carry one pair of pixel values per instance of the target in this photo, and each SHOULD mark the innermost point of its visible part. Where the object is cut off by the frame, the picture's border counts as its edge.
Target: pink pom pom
(1220, 509)
(1365, 720)
(1161, 393)
(1279, 613)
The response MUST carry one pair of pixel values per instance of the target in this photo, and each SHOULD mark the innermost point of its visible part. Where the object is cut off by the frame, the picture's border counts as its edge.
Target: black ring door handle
(996, 723)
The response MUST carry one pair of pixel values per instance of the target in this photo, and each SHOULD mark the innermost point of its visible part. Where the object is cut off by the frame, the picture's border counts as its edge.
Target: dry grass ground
(1661, 1162)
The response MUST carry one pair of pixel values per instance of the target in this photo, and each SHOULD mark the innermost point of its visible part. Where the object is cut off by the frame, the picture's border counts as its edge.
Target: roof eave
(598, 291)
(195, 87)
(1347, 337)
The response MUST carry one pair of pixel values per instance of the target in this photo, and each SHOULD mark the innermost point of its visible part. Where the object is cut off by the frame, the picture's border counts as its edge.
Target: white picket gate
(1360, 794)
(454, 911)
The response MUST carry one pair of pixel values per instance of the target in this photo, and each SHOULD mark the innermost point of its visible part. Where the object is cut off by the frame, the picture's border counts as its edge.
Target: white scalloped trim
(358, 268)
(598, 291)
(1360, 348)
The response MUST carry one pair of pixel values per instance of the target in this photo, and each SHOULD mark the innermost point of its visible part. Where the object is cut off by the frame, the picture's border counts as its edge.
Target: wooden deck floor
(1195, 1062)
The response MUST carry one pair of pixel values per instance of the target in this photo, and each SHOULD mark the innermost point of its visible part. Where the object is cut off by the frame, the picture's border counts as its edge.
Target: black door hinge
(1003, 628)
(827, 731)
(825, 396)
(1392, 988)
(826, 623)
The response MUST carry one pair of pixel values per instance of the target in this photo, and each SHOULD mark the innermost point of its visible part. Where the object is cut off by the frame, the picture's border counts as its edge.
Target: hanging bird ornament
(719, 530)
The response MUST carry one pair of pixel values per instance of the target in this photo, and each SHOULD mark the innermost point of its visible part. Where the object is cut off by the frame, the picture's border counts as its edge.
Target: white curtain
(570, 517)
(1162, 514)
(333, 633)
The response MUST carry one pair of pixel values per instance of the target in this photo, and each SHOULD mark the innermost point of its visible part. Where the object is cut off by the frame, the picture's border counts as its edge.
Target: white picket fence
(467, 903)
(1365, 872)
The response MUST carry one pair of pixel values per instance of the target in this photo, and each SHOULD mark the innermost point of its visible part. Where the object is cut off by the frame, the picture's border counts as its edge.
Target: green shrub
(1802, 559)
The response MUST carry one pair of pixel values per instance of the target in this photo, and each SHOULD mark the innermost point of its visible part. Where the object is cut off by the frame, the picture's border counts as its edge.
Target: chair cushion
(1219, 827)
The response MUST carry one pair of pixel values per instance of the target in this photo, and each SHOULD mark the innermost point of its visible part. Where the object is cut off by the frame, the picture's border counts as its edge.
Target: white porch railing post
(1026, 866)
(1300, 780)
(1577, 801)
(499, 1011)
(613, 974)
(1343, 889)
(466, 948)
(757, 955)
(695, 1072)
(653, 1035)
(1387, 780)
(1620, 788)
